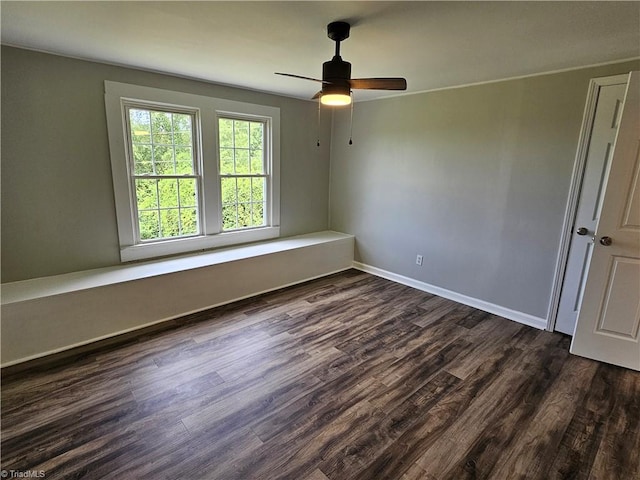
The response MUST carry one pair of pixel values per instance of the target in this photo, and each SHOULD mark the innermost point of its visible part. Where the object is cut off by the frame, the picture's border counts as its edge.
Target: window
(164, 173)
(190, 172)
(242, 173)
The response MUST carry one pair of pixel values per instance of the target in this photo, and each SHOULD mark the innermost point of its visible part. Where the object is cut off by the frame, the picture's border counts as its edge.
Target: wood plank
(316, 475)
(403, 417)
(396, 459)
(522, 402)
(583, 437)
(540, 438)
(618, 455)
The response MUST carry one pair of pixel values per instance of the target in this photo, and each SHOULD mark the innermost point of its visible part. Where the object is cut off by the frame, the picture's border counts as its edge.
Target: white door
(609, 317)
(610, 97)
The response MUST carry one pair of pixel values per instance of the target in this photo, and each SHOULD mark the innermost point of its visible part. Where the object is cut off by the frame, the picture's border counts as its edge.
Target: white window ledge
(71, 282)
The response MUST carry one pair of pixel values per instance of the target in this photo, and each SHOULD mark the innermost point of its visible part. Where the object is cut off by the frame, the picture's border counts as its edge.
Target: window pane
(258, 219)
(146, 194)
(188, 196)
(164, 168)
(163, 139)
(168, 190)
(140, 139)
(182, 123)
(225, 128)
(162, 154)
(244, 215)
(188, 221)
(229, 213)
(257, 132)
(241, 133)
(242, 161)
(143, 168)
(244, 190)
(149, 224)
(226, 160)
(257, 189)
(139, 121)
(160, 123)
(170, 223)
(142, 159)
(182, 138)
(184, 161)
(257, 163)
(141, 153)
(228, 186)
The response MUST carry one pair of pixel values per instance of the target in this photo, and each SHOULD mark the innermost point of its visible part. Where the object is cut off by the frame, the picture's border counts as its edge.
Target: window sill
(190, 245)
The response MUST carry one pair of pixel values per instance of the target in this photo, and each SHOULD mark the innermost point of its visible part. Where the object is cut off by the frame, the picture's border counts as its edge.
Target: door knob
(582, 231)
(606, 241)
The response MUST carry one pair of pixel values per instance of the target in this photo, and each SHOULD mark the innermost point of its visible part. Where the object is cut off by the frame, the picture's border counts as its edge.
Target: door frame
(571, 210)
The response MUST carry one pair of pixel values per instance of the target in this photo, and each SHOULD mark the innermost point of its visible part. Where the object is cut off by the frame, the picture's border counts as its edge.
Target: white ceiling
(432, 44)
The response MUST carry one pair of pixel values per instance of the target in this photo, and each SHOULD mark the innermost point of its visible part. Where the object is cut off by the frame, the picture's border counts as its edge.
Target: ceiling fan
(336, 74)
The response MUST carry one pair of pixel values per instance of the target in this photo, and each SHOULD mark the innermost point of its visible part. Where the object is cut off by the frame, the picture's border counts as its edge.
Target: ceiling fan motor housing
(337, 73)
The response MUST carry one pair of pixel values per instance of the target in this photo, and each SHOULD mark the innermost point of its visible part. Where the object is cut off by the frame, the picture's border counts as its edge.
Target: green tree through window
(191, 172)
(242, 173)
(164, 173)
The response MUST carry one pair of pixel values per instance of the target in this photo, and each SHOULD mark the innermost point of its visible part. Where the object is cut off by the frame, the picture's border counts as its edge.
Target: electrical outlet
(419, 260)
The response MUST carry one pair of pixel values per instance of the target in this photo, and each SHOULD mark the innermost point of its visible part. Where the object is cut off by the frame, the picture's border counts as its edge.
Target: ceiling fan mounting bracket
(338, 31)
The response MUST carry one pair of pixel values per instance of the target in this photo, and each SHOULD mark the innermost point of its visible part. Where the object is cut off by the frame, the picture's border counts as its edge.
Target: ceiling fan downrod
(338, 31)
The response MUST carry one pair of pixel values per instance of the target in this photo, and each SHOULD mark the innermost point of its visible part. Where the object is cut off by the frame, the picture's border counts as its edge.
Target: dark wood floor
(347, 377)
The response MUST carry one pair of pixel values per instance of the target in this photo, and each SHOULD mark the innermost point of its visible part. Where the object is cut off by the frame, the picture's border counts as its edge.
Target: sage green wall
(475, 179)
(57, 196)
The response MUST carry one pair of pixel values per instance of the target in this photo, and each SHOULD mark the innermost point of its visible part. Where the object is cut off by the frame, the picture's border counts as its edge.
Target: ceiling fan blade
(317, 95)
(298, 76)
(378, 83)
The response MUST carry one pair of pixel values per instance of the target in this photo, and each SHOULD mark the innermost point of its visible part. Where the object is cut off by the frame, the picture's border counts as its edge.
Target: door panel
(620, 316)
(598, 160)
(609, 317)
(631, 219)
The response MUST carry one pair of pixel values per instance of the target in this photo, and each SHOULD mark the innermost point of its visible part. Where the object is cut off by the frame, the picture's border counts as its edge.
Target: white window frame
(266, 149)
(207, 110)
(197, 164)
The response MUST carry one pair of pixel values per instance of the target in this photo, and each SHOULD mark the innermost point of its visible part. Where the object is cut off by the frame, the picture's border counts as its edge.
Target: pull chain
(351, 121)
(319, 102)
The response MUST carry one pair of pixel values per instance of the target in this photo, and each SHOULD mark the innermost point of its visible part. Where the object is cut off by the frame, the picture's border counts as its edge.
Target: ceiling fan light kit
(336, 94)
(335, 99)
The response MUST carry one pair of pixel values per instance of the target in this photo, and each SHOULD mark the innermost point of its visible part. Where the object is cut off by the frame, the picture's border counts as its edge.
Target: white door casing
(608, 326)
(603, 126)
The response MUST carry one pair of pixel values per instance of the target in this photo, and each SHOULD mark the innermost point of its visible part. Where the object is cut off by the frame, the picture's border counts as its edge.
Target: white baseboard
(499, 310)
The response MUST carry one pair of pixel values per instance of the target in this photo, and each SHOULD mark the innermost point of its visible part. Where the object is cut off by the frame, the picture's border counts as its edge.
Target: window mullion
(158, 208)
(237, 204)
(180, 229)
(209, 163)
